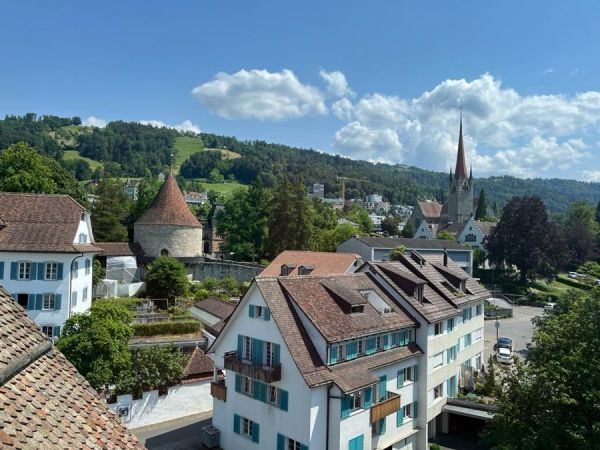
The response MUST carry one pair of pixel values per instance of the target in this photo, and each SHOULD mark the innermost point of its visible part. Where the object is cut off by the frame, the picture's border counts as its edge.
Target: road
(176, 434)
(519, 328)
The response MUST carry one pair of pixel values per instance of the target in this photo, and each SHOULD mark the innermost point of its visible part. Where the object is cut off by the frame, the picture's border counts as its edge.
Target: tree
(525, 237)
(166, 278)
(330, 239)
(98, 272)
(581, 212)
(215, 176)
(479, 257)
(22, 169)
(446, 235)
(598, 213)
(408, 231)
(389, 225)
(359, 215)
(147, 190)
(396, 253)
(482, 206)
(551, 402)
(109, 211)
(97, 342)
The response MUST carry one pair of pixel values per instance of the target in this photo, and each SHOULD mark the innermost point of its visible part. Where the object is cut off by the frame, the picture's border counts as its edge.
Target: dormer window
(419, 293)
(357, 309)
(305, 269)
(82, 238)
(286, 269)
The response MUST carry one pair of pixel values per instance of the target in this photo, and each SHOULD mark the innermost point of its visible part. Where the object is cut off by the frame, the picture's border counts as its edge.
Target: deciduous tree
(166, 278)
(109, 211)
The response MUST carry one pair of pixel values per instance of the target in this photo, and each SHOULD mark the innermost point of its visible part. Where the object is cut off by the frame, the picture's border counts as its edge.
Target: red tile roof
(198, 365)
(323, 262)
(40, 223)
(44, 401)
(169, 208)
(216, 307)
(430, 209)
(120, 248)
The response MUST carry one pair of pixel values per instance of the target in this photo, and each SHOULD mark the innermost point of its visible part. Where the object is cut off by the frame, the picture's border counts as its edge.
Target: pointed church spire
(461, 165)
(451, 177)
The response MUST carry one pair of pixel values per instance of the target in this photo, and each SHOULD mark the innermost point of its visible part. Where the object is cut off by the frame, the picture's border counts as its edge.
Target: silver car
(504, 355)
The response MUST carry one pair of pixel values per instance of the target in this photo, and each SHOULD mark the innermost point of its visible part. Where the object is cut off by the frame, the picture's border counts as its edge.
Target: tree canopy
(109, 211)
(166, 278)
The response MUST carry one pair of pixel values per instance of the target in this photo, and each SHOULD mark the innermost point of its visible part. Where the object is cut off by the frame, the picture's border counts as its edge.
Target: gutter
(71, 281)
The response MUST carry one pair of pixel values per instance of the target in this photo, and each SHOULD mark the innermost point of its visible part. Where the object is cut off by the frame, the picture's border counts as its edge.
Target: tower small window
(164, 252)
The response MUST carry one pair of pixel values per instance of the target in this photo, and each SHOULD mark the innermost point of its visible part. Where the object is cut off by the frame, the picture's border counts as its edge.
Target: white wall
(181, 401)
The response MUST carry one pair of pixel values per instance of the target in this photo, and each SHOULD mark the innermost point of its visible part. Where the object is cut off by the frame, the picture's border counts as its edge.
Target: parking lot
(519, 328)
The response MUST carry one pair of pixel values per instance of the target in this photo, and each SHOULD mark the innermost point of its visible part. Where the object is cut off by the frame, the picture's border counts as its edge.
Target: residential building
(348, 361)
(378, 248)
(475, 233)
(213, 313)
(195, 198)
(44, 401)
(168, 227)
(122, 264)
(46, 252)
(344, 221)
(297, 262)
(376, 220)
(431, 230)
(318, 190)
(374, 198)
(131, 189)
(336, 203)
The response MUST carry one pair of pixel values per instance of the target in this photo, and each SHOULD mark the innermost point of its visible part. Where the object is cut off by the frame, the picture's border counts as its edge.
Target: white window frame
(339, 349)
(356, 401)
(44, 329)
(268, 354)
(246, 427)
(378, 342)
(75, 269)
(292, 444)
(439, 390)
(439, 356)
(452, 351)
(50, 300)
(273, 395)
(51, 271)
(360, 347)
(438, 328)
(259, 311)
(24, 268)
(247, 387)
(247, 348)
(408, 411)
(408, 374)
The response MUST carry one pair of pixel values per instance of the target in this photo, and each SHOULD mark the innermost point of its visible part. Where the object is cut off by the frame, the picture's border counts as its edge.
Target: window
(478, 310)
(82, 238)
(438, 391)
(361, 347)
(438, 329)
(451, 354)
(273, 395)
(84, 296)
(408, 410)
(88, 266)
(437, 360)
(22, 300)
(48, 330)
(247, 348)
(467, 340)
(355, 401)
(51, 272)
(292, 444)
(247, 426)
(268, 354)
(408, 374)
(378, 343)
(478, 362)
(467, 314)
(477, 334)
(74, 299)
(450, 325)
(258, 311)
(470, 237)
(247, 385)
(75, 269)
(48, 301)
(24, 270)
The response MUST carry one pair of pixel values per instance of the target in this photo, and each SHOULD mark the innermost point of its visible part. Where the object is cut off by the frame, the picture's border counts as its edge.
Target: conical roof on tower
(461, 165)
(169, 208)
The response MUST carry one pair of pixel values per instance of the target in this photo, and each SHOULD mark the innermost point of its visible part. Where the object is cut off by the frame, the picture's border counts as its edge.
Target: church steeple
(461, 165)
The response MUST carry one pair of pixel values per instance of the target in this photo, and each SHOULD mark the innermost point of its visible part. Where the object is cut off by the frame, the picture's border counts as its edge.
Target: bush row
(573, 283)
(160, 328)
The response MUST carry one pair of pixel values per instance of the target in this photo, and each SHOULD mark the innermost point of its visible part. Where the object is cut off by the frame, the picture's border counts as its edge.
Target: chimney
(445, 257)
(305, 269)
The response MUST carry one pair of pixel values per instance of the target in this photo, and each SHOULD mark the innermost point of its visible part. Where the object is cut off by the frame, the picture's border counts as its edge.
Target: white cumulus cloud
(336, 83)
(260, 94)
(590, 175)
(185, 126)
(92, 121)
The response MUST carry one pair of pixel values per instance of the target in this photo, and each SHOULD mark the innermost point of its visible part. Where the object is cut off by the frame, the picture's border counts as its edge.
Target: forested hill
(132, 149)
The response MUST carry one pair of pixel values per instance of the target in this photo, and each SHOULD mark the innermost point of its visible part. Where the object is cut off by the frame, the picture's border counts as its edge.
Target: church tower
(460, 189)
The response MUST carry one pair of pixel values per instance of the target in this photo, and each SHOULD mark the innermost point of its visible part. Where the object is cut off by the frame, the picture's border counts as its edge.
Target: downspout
(71, 282)
(327, 418)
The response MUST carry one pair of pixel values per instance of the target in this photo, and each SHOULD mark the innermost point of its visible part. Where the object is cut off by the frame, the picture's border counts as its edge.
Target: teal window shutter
(382, 386)
(263, 392)
(283, 400)
(38, 301)
(356, 443)
(30, 301)
(33, 271)
(351, 350)
(236, 424)
(303, 447)
(13, 270)
(415, 409)
(448, 356)
(370, 346)
(457, 347)
(280, 442)
(448, 387)
(255, 432)
(416, 373)
(267, 314)
(57, 301)
(276, 354)
(56, 331)
(368, 397)
(1, 270)
(257, 351)
(382, 426)
(400, 416)
(345, 406)
(394, 339)
(238, 382)
(240, 347)
(41, 271)
(386, 341)
(332, 354)
(256, 389)
(251, 310)
(59, 271)
(400, 379)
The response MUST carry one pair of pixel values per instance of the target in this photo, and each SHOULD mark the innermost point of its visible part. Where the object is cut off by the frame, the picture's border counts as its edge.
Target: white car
(549, 307)
(573, 275)
(504, 355)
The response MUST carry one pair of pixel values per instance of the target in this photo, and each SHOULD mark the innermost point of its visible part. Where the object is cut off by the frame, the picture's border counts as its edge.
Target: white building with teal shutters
(46, 251)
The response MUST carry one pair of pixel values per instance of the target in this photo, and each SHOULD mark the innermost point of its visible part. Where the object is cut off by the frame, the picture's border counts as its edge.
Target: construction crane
(343, 179)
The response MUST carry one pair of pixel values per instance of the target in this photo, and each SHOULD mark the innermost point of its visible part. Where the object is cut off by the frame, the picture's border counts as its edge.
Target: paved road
(519, 328)
(176, 434)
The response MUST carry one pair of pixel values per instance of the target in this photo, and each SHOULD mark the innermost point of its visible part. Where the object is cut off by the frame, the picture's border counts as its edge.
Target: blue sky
(381, 81)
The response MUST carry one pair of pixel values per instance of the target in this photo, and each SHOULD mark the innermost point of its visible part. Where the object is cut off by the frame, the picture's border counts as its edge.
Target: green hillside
(74, 154)
(186, 146)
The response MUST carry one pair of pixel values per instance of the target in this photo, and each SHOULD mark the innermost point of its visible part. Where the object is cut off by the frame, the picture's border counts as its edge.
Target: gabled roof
(198, 365)
(216, 307)
(44, 401)
(120, 248)
(486, 228)
(430, 209)
(169, 208)
(387, 242)
(323, 262)
(41, 223)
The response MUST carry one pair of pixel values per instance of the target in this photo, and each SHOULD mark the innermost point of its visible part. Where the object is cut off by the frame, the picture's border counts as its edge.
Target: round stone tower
(168, 227)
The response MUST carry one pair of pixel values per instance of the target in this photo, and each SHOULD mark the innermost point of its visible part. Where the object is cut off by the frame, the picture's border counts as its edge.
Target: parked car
(504, 355)
(573, 275)
(549, 307)
(503, 342)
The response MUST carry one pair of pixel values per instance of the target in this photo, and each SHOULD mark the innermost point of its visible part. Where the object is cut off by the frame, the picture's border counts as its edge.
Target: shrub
(573, 283)
(166, 328)
(166, 278)
(127, 302)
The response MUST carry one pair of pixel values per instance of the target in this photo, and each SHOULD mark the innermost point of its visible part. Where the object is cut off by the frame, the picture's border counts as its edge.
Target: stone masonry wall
(177, 240)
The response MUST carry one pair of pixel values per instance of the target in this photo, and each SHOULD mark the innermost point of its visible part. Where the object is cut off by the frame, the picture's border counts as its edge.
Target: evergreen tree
(147, 190)
(482, 206)
(408, 231)
(598, 212)
(109, 211)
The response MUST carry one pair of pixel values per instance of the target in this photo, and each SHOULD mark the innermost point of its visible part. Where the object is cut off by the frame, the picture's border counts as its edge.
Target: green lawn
(224, 188)
(74, 154)
(187, 146)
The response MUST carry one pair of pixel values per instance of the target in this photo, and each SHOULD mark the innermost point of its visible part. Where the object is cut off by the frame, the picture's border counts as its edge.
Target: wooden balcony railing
(218, 390)
(385, 407)
(267, 374)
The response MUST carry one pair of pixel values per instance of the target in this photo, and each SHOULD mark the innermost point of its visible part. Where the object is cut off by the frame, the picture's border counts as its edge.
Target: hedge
(573, 283)
(161, 328)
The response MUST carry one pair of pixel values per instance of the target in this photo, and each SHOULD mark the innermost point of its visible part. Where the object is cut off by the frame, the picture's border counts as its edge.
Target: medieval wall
(178, 241)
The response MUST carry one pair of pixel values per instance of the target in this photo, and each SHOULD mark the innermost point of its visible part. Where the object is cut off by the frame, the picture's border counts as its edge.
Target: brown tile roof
(40, 223)
(169, 208)
(387, 242)
(120, 248)
(323, 262)
(216, 307)
(430, 209)
(199, 364)
(486, 228)
(44, 401)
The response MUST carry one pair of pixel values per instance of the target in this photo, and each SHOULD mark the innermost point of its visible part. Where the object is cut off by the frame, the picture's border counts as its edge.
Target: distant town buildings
(318, 190)
(195, 198)
(46, 251)
(131, 189)
(376, 219)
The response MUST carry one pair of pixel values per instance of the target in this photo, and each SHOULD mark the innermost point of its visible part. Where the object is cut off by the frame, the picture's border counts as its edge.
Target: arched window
(470, 238)
(164, 252)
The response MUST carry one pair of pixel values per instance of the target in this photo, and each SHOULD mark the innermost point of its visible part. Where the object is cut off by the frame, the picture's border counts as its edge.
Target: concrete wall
(353, 245)
(202, 270)
(181, 401)
(178, 241)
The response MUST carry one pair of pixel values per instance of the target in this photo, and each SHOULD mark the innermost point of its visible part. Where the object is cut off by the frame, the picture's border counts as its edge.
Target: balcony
(218, 390)
(267, 374)
(385, 407)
